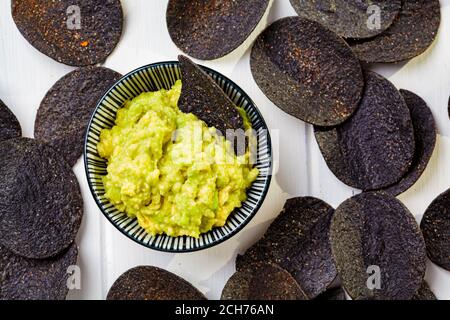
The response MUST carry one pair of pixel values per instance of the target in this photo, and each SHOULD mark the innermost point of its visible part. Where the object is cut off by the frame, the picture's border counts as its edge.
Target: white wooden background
(26, 75)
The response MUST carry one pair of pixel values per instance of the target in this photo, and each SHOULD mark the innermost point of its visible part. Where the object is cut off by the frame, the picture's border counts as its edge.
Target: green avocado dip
(169, 169)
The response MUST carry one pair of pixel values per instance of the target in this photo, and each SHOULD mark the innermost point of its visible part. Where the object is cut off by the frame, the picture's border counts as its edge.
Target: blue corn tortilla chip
(9, 125)
(262, 281)
(378, 248)
(425, 142)
(32, 279)
(74, 32)
(375, 147)
(208, 30)
(152, 283)
(307, 71)
(41, 206)
(412, 32)
(435, 226)
(350, 18)
(298, 241)
(66, 109)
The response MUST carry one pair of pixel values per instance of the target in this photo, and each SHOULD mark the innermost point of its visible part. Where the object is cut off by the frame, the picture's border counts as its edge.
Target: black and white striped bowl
(152, 78)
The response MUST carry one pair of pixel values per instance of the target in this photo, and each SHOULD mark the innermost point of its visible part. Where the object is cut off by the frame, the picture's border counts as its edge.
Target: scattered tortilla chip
(41, 203)
(73, 32)
(32, 279)
(208, 30)
(298, 241)
(152, 283)
(9, 125)
(378, 248)
(425, 140)
(262, 282)
(333, 294)
(424, 293)
(413, 31)
(65, 111)
(307, 71)
(350, 18)
(435, 226)
(201, 96)
(374, 148)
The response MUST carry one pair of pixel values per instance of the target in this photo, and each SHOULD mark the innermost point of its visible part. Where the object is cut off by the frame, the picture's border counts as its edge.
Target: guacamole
(169, 169)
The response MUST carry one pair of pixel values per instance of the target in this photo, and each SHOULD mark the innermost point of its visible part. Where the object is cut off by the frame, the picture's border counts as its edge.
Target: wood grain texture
(26, 75)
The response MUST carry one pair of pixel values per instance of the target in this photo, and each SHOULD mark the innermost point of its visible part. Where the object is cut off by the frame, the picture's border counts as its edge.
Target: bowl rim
(220, 240)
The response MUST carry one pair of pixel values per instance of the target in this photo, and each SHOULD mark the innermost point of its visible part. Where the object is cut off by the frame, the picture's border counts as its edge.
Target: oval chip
(9, 125)
(73, 32)
(374, 148)
(41, 203)
(435, 226)
(350, 18)
(378, 248)
(152, 283)
(307, 71)
(208, 30)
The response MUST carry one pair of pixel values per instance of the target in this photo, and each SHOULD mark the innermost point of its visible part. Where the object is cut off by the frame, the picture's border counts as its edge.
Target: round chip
(425, 140)
(424, 293)
(378, 248)
(333, 294)
(151, 283)
(64, 113)
(9, 125)
(31, 279)
(412, 32)
(262, 282)
(374, 148)
(435, 226)
(298, 241)
(350, 18)
(73, 32)
(307, 71)
(208, 30)
(41, 203)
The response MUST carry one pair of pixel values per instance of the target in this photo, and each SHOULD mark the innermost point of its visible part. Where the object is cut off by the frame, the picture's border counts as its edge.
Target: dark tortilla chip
(208, 30)
(307, 71)
(424, 293)
(262, 282)
(425, 139)
(412, 32)
(73, 32)
(151, 283)
(201, 96)
(64, 113)
(350, 18)
(374, 148)
(333, 294)
(298, 241)
(40, 200)
(9, 125)
(435, 226)
(378, 248)
(31, 279)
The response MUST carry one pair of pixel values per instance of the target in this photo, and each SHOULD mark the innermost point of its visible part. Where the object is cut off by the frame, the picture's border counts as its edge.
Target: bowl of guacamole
(165, 178)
